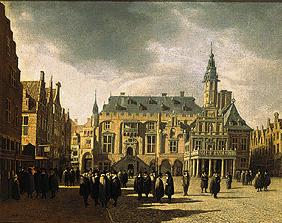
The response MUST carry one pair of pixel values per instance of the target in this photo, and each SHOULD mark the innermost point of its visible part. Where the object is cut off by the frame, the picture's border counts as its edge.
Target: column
(234, 167)
(197, 168)
(193, 161)
(222, 168)
(210, 167)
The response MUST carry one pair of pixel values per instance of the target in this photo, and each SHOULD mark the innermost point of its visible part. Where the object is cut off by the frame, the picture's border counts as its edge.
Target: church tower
(211, 84)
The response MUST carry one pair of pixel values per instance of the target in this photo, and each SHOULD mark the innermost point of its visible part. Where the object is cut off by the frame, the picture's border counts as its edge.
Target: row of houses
(34, 128)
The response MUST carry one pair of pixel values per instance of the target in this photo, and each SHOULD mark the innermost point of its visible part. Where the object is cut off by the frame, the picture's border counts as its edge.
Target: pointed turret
(95, 106)
(211, 81)
(57, 97)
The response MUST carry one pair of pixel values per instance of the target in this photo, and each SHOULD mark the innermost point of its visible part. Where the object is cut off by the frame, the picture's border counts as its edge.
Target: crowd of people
(35, 180)
(106, 186)
(102, 187)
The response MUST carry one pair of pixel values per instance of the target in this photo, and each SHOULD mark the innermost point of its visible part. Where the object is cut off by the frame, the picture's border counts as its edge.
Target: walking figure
(169, 186)
(204, 182)
(185, 183)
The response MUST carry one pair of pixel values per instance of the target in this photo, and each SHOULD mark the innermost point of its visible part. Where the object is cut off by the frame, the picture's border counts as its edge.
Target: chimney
(2, 9)
(164, 94)
(181, 93)
(122, 93)
(42, 74)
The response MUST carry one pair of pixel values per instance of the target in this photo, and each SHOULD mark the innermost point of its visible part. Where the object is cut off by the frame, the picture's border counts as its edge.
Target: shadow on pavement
(146, 210)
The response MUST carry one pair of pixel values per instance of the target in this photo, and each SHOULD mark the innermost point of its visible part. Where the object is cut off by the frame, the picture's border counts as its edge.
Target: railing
(130, 130)
(213, 153)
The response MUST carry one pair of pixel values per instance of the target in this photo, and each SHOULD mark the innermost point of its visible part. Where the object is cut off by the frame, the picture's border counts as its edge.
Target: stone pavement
(66, 207)
(240, 204)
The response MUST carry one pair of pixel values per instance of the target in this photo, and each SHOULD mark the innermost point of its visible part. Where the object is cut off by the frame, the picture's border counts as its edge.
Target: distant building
(10, 107)
(168, 133)
(266, 147)
(45, 125)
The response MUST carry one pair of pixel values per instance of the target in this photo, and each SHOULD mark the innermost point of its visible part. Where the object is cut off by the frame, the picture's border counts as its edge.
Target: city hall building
(169, 132)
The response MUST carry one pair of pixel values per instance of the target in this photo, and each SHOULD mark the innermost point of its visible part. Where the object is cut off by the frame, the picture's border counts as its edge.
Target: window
(107, 143)
(244, 144)
(88, 141)
(198, 144)
(151, 126)
(25, 125)
(13, 77)
(234, 143)
(74, 153)
(8, 110)
(107, 125)
(200, 127)
(173, 144)
(221, 144)
(243, 162)
(151, 144)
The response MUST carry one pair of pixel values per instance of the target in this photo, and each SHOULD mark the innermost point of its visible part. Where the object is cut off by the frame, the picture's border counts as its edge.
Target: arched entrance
(129, 151)
(177, 168)
(165, 166)
(86, 161)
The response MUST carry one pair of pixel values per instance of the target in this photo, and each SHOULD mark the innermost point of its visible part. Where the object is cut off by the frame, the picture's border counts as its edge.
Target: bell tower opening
(129, 151)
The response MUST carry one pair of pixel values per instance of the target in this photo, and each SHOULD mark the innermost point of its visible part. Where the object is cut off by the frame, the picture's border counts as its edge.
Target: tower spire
(211, 47)
(95, 106)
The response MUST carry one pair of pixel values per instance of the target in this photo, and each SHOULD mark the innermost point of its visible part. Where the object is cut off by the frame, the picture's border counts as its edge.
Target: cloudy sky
(150, 48)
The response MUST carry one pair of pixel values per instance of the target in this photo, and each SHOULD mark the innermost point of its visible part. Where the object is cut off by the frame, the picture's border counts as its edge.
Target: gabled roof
(152, 104)
(233, 120)
(32, 88)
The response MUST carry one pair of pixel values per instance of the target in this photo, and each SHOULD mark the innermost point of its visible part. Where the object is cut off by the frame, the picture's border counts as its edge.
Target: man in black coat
(147, 184)
(228, 181)
(204, 182)
(77, 174)
(159, 187)
(53, 183)
(185, 182)
(124, 178)
(15, 188)
(72, 177)
(95, 187)
(84, 189)
(115, 188)
(30, 183)
(139, 185)
(44, 183)
(215, 185)
(37, 181)
(169, 186)
(104, 190)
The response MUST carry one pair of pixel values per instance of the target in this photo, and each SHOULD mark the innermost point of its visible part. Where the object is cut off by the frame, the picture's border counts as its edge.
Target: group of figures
(214, 183)
(102, 187)
(70, 176)
(153, 183)
(261, 179)
(246, 177)
(35, 180)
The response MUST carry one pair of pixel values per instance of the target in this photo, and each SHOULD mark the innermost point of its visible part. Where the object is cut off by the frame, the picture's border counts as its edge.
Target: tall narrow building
(10, 107)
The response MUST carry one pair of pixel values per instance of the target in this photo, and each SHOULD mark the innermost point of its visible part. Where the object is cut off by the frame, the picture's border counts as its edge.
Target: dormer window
(151, 126)
(107, 125)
